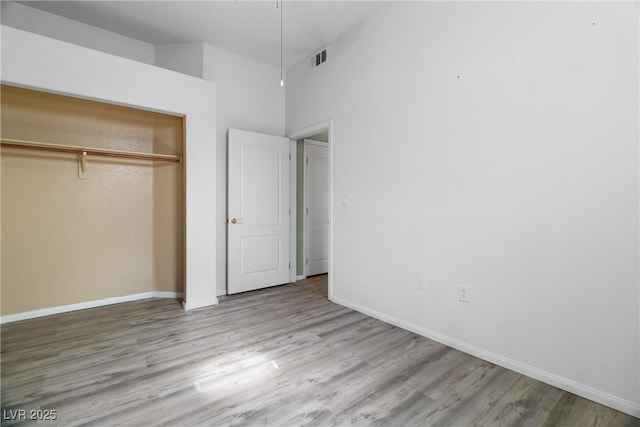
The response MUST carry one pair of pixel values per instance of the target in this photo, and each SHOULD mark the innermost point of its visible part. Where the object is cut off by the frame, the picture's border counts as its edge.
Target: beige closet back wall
(66, 240)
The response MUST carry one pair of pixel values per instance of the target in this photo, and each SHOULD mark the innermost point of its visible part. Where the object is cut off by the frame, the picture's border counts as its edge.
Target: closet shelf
(31, 145)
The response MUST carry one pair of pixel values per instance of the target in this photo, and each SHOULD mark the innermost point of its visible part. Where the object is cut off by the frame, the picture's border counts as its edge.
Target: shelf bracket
(82, 165)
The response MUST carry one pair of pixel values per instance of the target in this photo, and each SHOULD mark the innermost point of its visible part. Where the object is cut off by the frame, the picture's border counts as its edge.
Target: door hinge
(307, 160)
(307, 211)
(307, 261)
(289, 266)
(289, 156)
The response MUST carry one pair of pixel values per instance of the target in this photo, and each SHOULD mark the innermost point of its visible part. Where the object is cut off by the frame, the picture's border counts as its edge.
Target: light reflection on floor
(255, 369)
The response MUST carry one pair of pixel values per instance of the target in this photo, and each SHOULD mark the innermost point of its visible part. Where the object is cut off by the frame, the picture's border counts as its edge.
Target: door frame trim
(306, 132)
(293, 183)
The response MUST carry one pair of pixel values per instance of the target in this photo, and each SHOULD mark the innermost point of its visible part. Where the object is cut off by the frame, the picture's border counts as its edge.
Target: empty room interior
(284, 213)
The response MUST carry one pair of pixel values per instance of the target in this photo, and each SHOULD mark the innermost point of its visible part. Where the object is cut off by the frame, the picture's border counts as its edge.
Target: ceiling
(249, 28)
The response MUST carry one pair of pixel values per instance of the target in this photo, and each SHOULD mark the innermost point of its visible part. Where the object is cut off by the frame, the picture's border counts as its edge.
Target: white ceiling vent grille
(320, 58)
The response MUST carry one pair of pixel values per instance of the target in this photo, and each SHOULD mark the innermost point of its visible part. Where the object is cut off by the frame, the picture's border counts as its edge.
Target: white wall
(493, 145)
(33, 61)
(47, 24)
(184, 58)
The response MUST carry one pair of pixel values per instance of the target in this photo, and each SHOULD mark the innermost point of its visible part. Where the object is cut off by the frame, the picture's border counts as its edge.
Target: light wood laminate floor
(280, 356)
(317, 284)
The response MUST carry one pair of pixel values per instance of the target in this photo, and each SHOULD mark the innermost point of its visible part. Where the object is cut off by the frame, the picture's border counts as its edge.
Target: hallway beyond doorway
(317, 284)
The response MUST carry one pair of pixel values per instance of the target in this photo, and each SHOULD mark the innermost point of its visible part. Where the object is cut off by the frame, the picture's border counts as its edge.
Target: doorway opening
(317, 284)
(312, 225)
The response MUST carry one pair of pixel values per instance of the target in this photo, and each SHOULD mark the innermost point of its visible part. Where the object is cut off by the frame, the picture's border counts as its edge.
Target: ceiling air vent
(321, 57)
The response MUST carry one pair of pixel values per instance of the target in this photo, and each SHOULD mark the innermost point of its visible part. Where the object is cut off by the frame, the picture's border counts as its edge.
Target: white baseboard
(83, 305)
(571, 386)
(200, 304)
(302, 277)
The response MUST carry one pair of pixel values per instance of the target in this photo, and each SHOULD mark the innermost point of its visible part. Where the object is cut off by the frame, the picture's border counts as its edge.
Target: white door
(258, 211)
(316, 219)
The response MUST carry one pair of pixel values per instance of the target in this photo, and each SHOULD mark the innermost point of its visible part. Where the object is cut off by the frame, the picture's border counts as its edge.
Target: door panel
(260, 185)
(258, 211)
(317, 209)
(259, 254)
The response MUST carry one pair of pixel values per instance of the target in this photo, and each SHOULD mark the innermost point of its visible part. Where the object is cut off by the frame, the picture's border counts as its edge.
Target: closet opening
(84, 224)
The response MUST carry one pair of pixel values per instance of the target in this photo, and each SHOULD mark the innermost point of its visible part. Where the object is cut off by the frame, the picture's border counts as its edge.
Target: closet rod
(16, 143)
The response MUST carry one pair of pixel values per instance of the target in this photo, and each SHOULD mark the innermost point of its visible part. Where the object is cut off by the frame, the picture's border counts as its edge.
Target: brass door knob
(234, 221)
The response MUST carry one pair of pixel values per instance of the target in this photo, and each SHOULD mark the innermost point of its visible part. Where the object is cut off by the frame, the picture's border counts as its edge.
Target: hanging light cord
(281, 73)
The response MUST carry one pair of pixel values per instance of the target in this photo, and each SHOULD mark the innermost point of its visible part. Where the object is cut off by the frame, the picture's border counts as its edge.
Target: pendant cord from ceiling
(281, 73)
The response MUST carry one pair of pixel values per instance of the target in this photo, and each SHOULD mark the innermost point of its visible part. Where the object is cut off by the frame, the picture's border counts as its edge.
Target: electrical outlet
(422, 283)
(463, 293)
